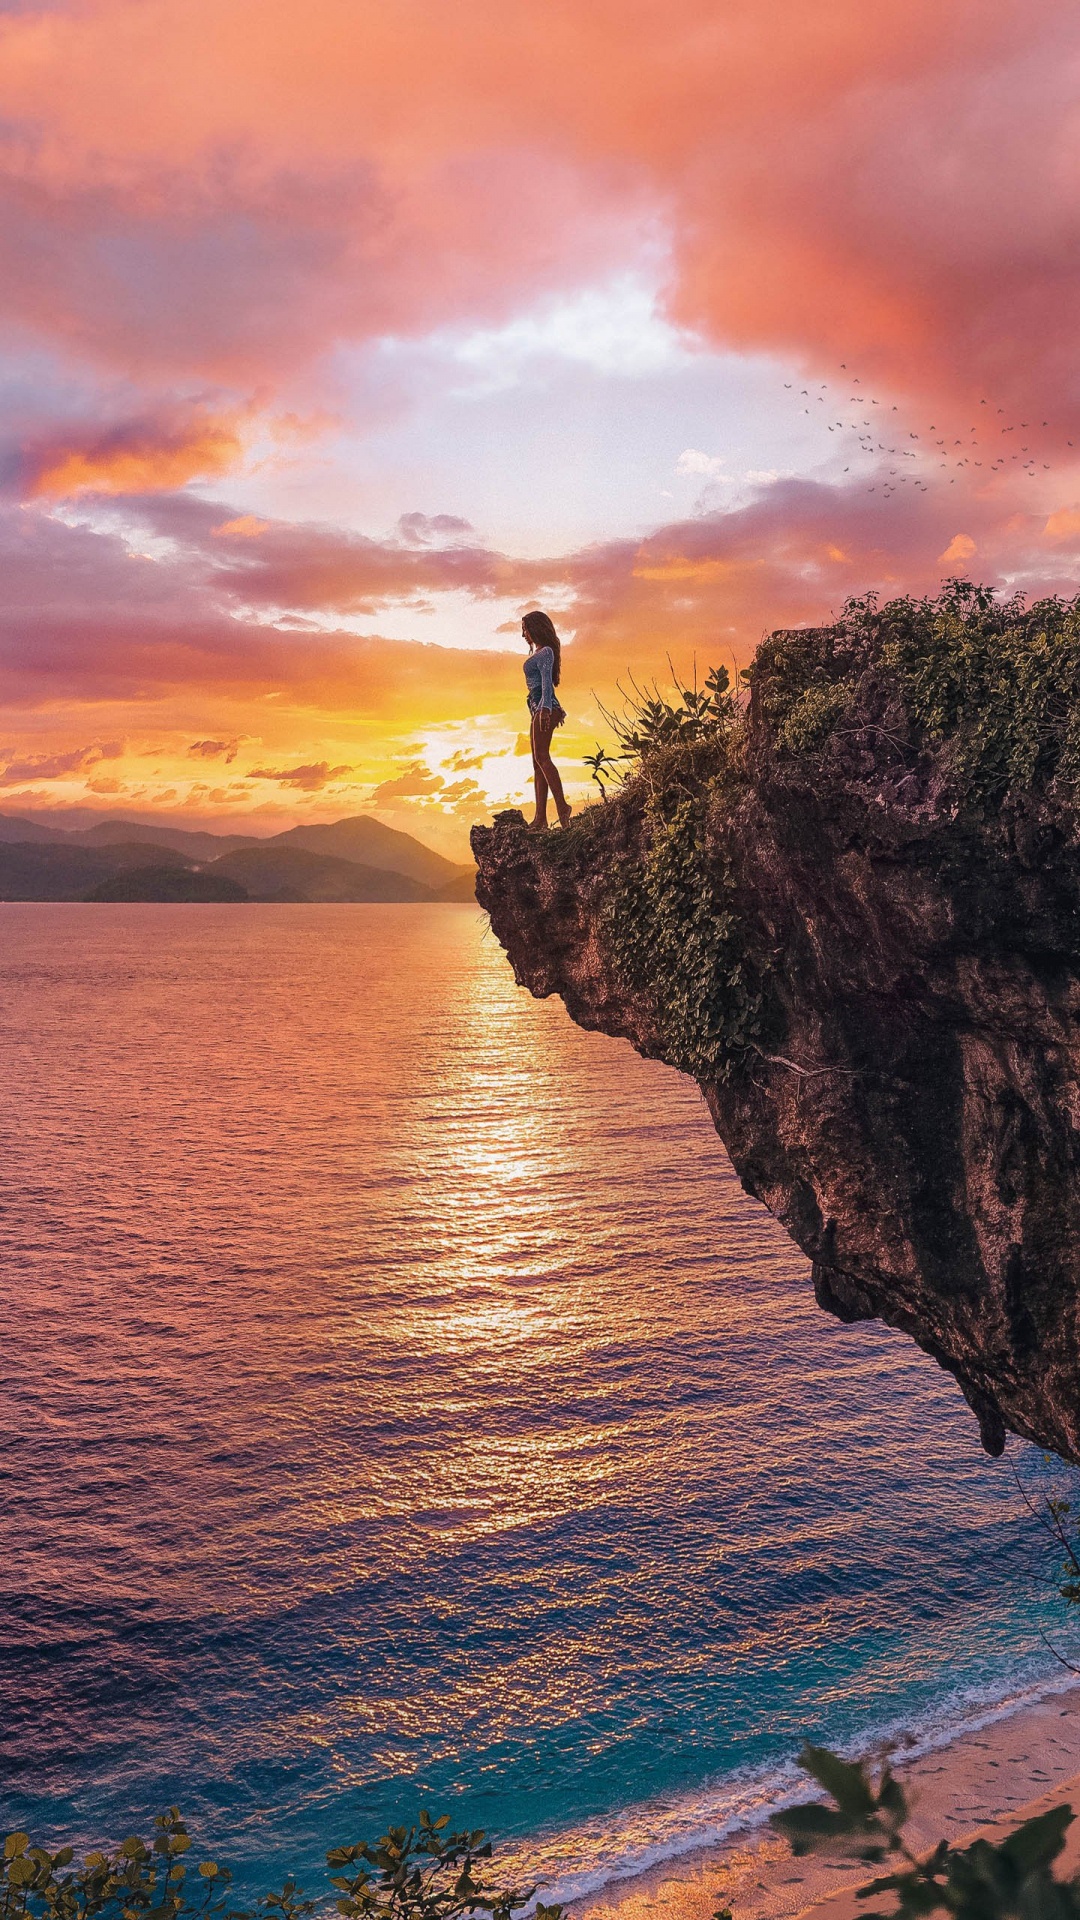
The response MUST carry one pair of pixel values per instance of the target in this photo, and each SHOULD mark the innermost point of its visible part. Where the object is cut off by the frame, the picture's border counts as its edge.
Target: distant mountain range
(355, 859)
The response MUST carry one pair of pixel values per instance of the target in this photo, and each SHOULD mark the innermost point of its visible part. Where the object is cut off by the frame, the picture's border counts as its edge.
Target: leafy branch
(650, 719)
(1010, 1879)
(424, 1873)
(603, 766)
(411, 1873)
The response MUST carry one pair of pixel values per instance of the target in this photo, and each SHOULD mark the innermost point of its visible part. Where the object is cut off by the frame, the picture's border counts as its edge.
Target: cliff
(851, 909)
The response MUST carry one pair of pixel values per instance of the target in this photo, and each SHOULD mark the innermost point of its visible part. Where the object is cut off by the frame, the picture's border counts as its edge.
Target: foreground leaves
(1012, 1879)
(424, 1873)
(411, 1873)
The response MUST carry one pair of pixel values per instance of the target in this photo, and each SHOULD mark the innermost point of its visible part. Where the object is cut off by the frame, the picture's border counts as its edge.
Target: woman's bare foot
(564, 817)
(538, 826)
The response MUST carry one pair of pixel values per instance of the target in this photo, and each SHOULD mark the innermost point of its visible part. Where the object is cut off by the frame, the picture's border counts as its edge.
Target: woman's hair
(542, 634)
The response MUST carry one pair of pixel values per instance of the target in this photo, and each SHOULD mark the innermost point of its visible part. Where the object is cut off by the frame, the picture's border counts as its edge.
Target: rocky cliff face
(868, 954)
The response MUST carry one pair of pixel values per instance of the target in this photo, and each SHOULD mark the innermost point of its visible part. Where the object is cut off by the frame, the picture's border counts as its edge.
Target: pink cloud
(56, 766)
(135, 457)
(222, 191)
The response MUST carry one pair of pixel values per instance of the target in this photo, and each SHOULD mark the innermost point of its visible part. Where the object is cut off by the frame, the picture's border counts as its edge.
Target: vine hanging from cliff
(674, 938)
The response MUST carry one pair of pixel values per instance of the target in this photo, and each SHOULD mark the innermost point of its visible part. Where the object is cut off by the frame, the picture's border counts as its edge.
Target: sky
(335, 335)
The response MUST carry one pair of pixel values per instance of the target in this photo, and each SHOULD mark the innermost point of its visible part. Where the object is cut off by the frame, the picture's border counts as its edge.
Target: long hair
(542, 633)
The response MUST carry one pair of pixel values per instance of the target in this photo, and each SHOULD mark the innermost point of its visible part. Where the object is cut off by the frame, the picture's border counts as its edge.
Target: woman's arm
(545, 660)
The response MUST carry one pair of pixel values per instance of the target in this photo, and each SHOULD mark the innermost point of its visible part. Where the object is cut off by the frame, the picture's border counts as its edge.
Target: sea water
(404, 1405)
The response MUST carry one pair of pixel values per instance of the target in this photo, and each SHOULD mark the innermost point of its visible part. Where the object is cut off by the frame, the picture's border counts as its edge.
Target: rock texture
(910, 1110)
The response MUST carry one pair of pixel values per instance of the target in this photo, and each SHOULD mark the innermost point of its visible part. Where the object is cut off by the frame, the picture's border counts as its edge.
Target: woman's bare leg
(546, 770)
(540, 789)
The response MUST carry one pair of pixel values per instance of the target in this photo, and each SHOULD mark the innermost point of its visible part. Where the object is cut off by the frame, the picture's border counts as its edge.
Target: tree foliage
(421, 1872)
(651, 720)
(991, 685)
(1011, 1879)
(675, 939)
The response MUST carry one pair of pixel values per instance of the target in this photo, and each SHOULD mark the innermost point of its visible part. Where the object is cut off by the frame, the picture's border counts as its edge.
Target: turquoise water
(403, 1403)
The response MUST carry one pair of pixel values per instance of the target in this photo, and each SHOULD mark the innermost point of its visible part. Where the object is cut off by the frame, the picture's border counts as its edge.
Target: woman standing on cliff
(542, 671)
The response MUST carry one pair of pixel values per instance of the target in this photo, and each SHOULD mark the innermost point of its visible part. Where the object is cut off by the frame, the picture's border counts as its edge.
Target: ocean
(404, 1405)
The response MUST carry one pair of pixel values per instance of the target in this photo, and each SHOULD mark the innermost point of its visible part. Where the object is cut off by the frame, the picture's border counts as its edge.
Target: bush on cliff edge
(989, 687)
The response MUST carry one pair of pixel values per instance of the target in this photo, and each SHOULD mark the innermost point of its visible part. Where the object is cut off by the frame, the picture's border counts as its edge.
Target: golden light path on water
(402, 1401)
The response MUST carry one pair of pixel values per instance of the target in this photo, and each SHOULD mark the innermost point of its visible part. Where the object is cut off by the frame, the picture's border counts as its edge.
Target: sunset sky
(337, 334)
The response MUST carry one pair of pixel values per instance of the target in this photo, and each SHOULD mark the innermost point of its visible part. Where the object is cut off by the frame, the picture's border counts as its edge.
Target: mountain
(463, 888)
(41, 871)
(12, 827)
(168, 884)
(273, 871)
(198, 846)
(373, 845)
(357, 838)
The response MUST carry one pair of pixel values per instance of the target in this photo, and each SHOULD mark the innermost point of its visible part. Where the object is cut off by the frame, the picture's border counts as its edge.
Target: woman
(542, 670)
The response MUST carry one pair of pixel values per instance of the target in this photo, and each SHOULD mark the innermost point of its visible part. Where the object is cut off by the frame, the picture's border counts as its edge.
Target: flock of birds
(877, 434)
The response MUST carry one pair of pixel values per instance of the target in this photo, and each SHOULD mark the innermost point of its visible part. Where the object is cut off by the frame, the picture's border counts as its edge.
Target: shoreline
(991, 1774)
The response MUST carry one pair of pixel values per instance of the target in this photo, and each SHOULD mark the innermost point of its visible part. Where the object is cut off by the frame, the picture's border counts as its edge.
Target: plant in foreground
(1011, 1879)
(650, 720)
(411, 1873)
(603, 766)
(424, 1872)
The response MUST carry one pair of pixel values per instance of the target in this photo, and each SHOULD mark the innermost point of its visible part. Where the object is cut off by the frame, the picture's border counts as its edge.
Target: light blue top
(538, 680)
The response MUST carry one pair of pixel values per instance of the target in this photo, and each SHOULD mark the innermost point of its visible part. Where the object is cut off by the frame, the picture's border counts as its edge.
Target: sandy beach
(989, 1779)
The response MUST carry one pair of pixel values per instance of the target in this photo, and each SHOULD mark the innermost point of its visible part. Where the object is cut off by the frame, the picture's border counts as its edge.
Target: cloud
(960, 548)
(245, 526)
(691, 460)
(222, 631)
(229, 188)
(57, 766)
(421, 529)
(414, 781)
(464, 762)
(310, 779)
(215, 750)
(136, 457)
(143, 622)
(1064, 524)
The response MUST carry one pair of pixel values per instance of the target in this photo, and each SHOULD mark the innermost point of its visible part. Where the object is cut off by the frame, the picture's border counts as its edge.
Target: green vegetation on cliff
(989, 687)
(961, 707)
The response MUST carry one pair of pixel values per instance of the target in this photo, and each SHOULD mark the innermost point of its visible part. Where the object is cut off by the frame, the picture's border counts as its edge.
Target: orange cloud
(960, 548)
(246, 526)
(309, 779)
(415, 781)
(57, 766)
(215, 750)
(136, 458)
(1064, 523)
(679, 568)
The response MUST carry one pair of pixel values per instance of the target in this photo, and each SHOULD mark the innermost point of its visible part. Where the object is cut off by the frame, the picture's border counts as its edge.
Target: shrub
(411, 1873)
(1010, 1879)
(650, 720)
(1000, 682)
(991, 685)
(674, 939)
